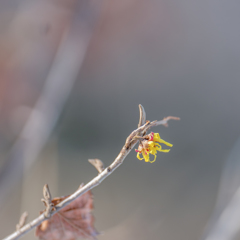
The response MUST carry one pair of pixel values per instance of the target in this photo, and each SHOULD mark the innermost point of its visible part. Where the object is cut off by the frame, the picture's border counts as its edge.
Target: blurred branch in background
(61, 77)
(224, 223)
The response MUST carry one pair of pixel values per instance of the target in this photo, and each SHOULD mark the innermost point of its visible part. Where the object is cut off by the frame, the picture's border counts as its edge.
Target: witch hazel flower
(150, 145)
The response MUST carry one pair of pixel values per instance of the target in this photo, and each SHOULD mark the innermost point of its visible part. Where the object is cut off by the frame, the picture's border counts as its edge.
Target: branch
(47, 200)
(22, 221)
(129, 144)
(97, 163)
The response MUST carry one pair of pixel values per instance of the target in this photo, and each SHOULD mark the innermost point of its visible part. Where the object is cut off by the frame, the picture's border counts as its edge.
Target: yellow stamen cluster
(150, 146)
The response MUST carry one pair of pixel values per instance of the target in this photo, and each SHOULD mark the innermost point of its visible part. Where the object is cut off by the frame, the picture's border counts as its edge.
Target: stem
(128, 146)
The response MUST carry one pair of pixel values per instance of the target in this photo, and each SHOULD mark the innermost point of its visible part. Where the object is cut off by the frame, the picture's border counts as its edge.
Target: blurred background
(72, 74)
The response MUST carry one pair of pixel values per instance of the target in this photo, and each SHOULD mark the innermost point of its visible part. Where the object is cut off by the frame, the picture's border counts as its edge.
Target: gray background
(177, 58)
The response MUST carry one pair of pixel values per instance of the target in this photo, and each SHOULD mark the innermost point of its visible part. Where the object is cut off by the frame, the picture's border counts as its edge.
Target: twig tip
(22, 221)
(47, 200)
(97, 163)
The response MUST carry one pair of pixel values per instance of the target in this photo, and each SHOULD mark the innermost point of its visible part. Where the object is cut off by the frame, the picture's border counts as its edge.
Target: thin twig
(97, 163)
(130, 143)
(47, 200)
(22, 221)
(163, 122)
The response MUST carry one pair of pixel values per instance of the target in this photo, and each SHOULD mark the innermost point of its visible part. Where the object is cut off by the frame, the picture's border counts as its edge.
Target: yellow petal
(153, 151)
(157, 145)
(156, 138)
(154, 159)
(146, 156)
(159, 148)
(166, 143)
(138, 156)
(152, 147)
(164, 150)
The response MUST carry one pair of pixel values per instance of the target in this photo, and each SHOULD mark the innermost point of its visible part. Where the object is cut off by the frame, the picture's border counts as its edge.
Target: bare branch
(137, 132)
(22, 221)
(163, 122)
(129, 144)
(97, 163)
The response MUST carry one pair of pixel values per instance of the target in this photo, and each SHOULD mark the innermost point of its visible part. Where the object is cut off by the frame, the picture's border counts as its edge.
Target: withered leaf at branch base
(72, 222)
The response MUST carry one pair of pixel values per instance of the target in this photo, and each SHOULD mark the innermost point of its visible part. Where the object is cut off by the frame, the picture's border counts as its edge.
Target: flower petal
(146, 156)
(166, 143)
(151, 145)
(154, 159)
(164, 150)
(138, 156)
(159, 148)
(157, 138)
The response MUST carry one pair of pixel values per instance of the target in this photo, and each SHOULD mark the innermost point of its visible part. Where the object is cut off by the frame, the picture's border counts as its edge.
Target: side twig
(97, 163)
(128, 146)
(22, 221)
(47, 200)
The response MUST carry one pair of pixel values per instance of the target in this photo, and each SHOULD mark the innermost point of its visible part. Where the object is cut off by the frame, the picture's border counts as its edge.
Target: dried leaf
(72, 222)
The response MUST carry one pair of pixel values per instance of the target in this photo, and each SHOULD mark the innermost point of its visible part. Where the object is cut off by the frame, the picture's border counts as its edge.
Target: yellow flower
(151, 146)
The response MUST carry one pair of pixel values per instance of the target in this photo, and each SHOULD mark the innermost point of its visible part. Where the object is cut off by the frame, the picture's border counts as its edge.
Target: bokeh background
(72, 74)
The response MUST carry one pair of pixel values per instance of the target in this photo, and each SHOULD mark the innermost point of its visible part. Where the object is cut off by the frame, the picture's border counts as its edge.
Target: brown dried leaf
(72, 222)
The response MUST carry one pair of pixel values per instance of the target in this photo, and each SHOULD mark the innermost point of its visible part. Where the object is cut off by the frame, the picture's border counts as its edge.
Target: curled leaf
(142, 118)
(72, 222)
